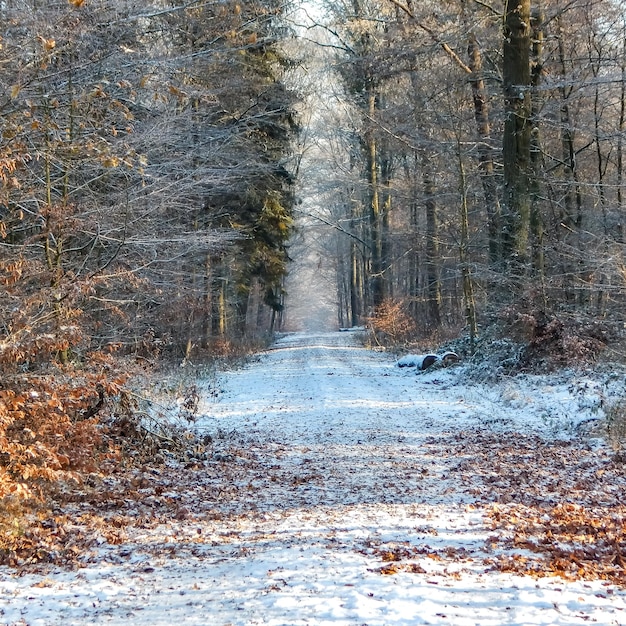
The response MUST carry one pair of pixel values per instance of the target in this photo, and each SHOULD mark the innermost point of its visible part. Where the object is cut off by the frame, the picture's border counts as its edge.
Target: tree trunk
(571, 210)
(485, 149)
(356, 286)
(375, 217)
(536, 157)
(207, 303)
(619, 235)
(516, 141)
(341, 284)
(385, 249)
(464, 260)
(602, 164)
(433, 279)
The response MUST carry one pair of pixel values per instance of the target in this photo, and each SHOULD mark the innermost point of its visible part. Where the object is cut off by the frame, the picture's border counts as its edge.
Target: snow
(416, 360)
(343, 490)
(424, 361)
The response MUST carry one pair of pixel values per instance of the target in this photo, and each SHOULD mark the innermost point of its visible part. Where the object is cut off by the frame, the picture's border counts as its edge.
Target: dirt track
(340, 489)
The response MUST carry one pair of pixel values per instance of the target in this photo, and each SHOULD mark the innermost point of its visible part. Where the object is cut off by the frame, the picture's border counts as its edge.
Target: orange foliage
(54, 393)
(49, 428)
(391, 323)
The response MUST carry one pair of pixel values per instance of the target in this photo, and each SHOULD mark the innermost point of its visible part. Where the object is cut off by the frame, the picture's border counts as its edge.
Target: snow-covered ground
(341, 489)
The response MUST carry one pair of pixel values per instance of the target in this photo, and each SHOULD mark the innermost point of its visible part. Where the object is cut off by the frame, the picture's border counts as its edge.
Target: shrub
(391, 324)
(552, 340)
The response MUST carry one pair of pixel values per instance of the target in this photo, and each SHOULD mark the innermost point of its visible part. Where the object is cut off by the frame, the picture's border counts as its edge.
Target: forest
(152, 162)
(145, 210)
(479, 169)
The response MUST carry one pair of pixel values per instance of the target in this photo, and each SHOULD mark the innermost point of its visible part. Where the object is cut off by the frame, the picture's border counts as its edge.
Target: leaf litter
(340, 489)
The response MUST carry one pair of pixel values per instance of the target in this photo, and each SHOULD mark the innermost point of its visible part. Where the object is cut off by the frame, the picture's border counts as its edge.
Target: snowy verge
(340, 489)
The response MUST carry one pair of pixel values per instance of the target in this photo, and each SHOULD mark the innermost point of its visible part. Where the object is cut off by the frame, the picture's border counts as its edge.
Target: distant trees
(513, 111)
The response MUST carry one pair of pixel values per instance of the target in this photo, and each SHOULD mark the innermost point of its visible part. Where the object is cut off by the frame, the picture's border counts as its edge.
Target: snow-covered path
(342, 490)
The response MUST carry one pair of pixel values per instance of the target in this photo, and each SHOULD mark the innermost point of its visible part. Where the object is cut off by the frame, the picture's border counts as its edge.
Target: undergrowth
(63, 424)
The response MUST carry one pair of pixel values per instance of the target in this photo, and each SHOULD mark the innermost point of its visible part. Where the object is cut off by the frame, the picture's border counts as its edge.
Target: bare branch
(447, 49)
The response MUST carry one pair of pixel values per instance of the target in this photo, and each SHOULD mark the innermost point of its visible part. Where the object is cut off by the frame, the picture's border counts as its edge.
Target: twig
(448, 50)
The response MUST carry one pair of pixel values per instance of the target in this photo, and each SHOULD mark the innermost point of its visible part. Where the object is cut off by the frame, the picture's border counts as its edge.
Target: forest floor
(338, 488)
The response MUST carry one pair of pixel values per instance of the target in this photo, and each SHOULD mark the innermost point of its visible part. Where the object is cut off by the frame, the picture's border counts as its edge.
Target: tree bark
(377, 291)
(480, 98)
(620, 146)
(464, 260)
(536, 155)
(433, 279)
(516, 141)
(356, 285)
(571, 209)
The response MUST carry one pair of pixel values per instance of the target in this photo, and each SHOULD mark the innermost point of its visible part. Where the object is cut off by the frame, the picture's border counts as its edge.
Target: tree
(517, 133)
(145, 188)
(538, 212)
